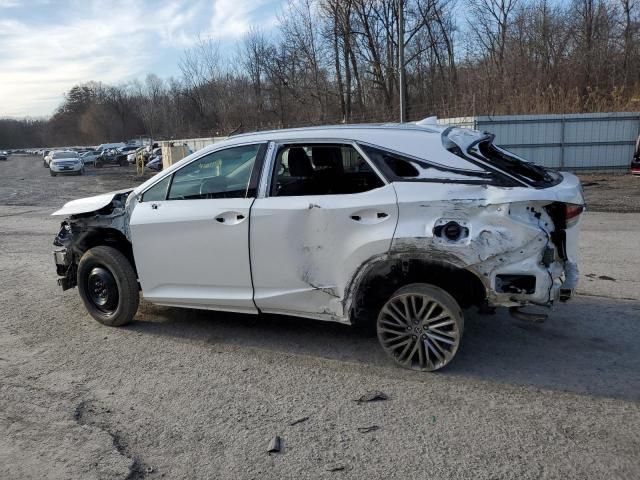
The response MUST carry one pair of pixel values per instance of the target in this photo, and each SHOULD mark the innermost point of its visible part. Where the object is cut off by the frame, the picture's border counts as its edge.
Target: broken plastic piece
(275, 445)
(374, 396)
(298, 420)
(371, 428)
(335, 468)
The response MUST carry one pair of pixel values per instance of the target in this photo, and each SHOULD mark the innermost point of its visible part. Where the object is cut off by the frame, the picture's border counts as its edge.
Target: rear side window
(321, 169)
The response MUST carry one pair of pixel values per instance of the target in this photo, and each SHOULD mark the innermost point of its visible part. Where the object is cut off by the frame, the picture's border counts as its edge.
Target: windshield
(59, 155)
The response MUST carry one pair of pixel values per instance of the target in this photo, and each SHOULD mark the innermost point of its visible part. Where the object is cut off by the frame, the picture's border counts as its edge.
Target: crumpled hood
(89, 204)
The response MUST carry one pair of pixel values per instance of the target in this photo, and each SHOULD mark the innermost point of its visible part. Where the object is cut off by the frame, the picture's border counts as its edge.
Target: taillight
(572, 213)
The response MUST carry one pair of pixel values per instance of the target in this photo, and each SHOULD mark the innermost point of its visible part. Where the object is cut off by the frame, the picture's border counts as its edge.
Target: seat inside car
(329, 171)
(302, 175)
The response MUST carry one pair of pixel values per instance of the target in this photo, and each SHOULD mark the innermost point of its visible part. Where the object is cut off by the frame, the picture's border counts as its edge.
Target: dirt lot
(612, 193)
(188, 394)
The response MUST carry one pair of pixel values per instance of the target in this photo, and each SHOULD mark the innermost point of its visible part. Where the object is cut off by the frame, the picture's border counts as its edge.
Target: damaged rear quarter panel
(508, 230)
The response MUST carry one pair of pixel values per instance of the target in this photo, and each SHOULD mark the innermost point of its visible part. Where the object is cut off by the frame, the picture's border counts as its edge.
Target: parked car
(403, 226)
(3, 156)
(131, 156)
(89, 158)
(46, 157)
(108, 146)
(635, 161)
(155, 163)
(65, 161)
(110, 156)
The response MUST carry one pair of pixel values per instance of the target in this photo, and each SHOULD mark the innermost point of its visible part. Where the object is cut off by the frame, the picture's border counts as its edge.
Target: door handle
(230, 218)
(369, 216)
(154, 206)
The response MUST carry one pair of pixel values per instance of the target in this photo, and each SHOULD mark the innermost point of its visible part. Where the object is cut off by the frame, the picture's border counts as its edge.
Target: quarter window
(158, 192)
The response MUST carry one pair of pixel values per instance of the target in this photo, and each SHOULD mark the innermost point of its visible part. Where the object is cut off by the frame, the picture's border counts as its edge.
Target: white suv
(65, 161)
(403, 226)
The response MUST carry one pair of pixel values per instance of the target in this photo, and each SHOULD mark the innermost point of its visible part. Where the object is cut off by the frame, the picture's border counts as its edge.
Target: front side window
(321, 169)
(222, 174)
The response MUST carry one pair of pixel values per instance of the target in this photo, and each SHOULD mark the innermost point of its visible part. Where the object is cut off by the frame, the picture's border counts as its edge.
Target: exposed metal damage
(81, 231)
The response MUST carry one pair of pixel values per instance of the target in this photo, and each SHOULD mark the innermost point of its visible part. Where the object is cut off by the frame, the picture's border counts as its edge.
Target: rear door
(190, 232)
(325, 211)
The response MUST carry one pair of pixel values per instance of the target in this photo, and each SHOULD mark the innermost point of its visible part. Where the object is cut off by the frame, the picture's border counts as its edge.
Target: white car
(65, 161)
(89, 157)
(403, 226)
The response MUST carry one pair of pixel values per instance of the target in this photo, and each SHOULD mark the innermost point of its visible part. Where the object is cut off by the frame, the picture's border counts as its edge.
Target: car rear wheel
(108, 286)
(420, 327)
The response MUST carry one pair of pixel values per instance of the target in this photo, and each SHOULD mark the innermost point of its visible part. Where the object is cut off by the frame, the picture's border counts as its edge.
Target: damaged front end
(100, 220)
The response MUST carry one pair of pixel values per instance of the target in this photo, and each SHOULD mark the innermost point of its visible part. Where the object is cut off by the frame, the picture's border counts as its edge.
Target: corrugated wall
(571, 141)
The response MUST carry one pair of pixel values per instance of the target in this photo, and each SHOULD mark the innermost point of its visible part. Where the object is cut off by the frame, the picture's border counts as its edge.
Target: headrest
(299, 163)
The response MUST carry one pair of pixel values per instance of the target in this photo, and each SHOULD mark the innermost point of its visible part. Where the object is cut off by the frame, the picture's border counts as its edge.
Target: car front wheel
(420, 327)
(52, 173)
(108, 286)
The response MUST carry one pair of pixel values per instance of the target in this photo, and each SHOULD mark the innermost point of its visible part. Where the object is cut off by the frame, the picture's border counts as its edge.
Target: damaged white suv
(401, 225)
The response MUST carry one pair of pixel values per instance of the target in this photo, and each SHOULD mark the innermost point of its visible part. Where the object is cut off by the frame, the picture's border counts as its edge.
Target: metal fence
(194, 143)
(592, 141)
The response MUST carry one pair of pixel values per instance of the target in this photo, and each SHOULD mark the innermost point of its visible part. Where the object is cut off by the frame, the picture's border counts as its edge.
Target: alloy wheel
(418, 331)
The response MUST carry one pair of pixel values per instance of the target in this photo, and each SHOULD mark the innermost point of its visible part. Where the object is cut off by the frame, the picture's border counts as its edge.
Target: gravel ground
(612, 193)
(190, 394)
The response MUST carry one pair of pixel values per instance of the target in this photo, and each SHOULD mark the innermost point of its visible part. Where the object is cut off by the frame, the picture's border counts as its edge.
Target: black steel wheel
(108, 286)
(420, 327)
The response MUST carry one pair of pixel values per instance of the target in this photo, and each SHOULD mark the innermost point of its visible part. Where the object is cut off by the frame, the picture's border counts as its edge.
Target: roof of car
(421, 141)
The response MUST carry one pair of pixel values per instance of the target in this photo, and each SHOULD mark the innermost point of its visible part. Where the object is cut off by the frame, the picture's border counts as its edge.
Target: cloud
(234, 18)
(45, 49)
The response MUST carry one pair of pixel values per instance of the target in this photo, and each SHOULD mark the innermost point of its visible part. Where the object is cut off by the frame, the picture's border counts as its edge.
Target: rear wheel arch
(380, 277)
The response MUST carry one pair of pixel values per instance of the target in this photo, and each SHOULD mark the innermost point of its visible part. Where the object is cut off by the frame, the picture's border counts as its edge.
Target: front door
(190, 233)
(326, 213)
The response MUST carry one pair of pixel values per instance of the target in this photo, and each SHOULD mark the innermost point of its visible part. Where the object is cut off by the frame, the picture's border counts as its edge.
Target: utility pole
(403, 112)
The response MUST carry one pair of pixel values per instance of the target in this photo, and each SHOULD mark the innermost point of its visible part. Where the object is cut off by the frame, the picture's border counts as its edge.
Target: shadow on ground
(589, 346)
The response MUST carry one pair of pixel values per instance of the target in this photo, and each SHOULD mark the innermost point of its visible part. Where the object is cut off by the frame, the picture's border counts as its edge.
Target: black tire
(420, 327)
(98, 165)
(105, 266)
(44, 163)
(52, 173)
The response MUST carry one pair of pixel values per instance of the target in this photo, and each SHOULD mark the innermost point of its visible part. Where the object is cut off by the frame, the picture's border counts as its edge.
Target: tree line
(336, 61)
